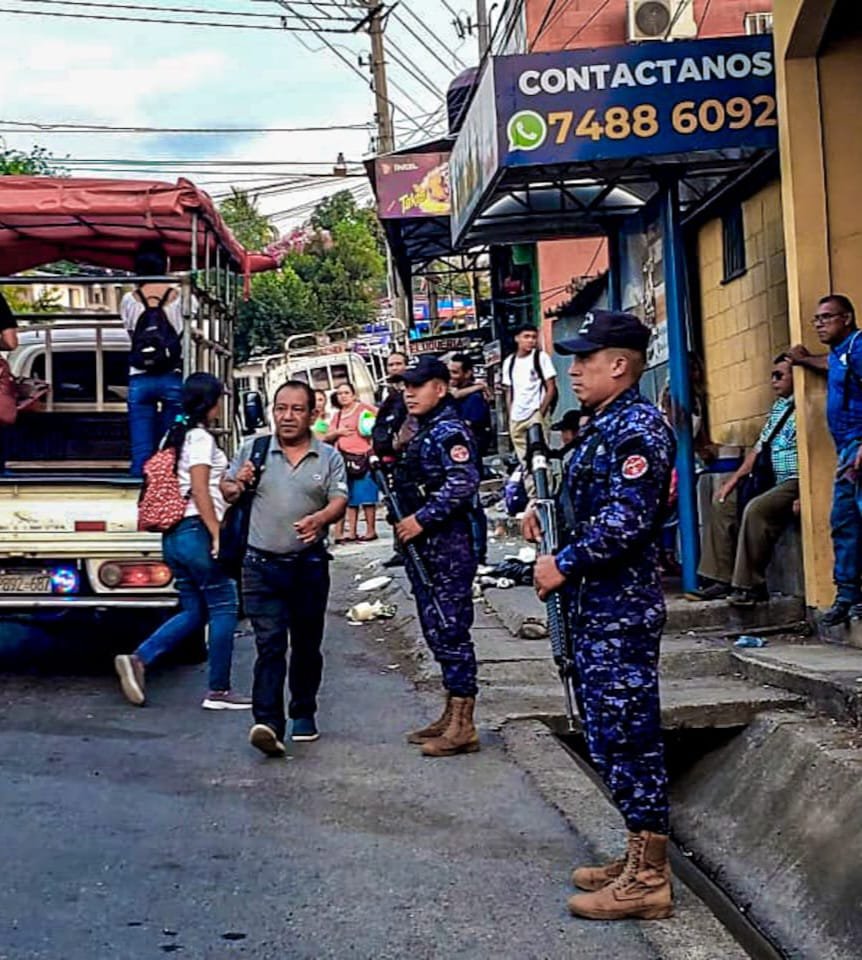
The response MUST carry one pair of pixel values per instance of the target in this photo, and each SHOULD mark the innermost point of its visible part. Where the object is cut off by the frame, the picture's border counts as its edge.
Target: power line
(422, 78)
(429, 31)
(78, 128)
(548, 11)
(703, 18)
(175, 22)
(681, 5)
(207, 11)
(586, 23)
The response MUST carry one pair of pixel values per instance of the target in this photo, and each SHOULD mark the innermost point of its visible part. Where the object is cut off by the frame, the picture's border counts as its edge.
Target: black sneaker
(856, 613)
(715, 591)
(837, 614)
(396, 560)
(744, 597)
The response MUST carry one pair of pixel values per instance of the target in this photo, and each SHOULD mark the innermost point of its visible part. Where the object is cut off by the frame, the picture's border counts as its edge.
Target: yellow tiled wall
(745, 321)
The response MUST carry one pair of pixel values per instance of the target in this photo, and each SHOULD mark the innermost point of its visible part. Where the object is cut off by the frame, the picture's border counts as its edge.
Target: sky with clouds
(69, 70)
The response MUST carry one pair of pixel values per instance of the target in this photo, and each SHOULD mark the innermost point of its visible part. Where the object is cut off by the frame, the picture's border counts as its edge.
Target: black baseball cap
(426, 368)
(607, 328)
(570, 420)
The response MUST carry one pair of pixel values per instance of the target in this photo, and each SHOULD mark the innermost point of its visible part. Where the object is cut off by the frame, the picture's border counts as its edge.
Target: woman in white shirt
(207, 593)
(154, 387)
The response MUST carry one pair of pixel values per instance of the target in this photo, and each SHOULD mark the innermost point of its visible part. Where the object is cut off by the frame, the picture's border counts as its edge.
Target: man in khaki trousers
(736, 551)
(529, 379)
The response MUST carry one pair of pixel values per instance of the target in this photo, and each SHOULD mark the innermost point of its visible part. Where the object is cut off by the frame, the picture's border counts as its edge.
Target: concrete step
(521, 612)
(519, 690)
(828, 676)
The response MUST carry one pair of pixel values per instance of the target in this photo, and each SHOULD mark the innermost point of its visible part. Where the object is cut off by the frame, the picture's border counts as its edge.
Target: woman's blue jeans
(154, 401)
(207, 594)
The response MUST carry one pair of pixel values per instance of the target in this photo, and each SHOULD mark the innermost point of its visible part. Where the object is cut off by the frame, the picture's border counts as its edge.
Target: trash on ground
(375, 583)
(746, 640)
(365, 612)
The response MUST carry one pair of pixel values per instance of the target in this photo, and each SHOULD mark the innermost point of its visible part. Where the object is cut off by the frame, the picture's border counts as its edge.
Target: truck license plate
(36, 581)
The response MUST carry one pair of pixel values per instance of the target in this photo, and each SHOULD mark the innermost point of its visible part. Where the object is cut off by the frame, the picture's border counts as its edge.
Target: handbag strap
(782, 420)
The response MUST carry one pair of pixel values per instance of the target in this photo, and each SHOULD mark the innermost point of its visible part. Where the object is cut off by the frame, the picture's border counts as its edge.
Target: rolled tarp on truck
(102, 222)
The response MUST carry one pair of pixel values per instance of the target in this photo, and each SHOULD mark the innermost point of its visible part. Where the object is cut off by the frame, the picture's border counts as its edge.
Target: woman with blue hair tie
(207, 593)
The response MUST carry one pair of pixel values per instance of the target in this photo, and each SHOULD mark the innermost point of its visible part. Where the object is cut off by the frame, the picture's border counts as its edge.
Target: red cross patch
(459, 453)
(635, 466)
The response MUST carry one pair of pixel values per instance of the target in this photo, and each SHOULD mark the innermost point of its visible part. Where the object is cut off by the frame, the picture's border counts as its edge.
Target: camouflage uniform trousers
(616, 643)
(451, 564)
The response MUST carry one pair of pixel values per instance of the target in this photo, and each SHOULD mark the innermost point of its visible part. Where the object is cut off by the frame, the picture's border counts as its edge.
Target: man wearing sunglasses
(739, 539)
(835, 325)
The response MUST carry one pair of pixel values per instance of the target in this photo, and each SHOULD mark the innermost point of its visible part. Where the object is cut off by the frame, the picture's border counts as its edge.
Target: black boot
(837, 614)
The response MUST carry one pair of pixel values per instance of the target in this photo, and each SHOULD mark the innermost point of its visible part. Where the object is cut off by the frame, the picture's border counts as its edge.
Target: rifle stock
(561, 645)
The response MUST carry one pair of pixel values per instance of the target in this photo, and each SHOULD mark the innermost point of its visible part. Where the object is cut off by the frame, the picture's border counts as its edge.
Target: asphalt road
(132, 833)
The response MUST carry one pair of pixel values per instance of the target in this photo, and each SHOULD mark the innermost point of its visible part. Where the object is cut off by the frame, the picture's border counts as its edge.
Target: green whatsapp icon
(527, 130)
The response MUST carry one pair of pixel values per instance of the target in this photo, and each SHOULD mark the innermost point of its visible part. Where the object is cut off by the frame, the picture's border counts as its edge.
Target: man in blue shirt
(470, 400)
(835, 324)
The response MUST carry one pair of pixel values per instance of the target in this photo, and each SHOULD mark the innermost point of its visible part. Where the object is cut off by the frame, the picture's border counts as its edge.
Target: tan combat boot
(594, 878)
(460, 736)
(435, 729)
(642, 891)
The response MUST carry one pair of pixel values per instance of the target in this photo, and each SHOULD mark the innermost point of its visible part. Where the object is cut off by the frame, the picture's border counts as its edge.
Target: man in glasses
(739, 538)
(835, 324)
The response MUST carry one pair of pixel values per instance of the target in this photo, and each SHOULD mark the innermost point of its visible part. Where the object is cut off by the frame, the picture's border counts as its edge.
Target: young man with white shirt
(154, 389)
(530, 382)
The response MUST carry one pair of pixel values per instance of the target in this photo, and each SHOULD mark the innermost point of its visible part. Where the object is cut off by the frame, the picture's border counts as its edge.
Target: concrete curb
(694, 933)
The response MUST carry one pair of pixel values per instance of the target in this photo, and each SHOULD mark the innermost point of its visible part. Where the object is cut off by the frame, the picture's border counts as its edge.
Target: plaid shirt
(785, 459)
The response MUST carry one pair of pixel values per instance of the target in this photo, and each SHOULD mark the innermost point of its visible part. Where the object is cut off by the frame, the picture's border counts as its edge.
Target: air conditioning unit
(661, 20)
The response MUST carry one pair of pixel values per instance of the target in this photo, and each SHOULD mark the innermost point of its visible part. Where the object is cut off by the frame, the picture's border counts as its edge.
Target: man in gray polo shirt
(285, 575)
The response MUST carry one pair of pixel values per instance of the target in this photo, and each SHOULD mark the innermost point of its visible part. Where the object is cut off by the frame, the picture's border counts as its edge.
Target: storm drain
(684, 749)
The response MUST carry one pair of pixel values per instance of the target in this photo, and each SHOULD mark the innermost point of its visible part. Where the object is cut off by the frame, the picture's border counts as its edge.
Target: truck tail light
(135, 574)
(90, 526)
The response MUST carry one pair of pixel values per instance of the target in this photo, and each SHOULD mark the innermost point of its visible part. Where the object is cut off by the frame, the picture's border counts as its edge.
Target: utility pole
(385, 128)
(483, 27)
(385, 138)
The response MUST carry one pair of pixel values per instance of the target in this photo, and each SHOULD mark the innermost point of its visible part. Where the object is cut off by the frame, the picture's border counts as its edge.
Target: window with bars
(758, 23)
(733, 243)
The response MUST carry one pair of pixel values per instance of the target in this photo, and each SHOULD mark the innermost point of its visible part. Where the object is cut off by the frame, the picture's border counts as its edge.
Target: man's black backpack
(156, 345)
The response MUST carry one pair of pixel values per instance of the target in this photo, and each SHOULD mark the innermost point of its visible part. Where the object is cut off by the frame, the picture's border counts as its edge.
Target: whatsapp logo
(527, 130)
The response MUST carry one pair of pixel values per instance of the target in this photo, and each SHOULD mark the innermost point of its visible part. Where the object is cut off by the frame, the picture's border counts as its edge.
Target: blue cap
(426, 368)
(607, 328)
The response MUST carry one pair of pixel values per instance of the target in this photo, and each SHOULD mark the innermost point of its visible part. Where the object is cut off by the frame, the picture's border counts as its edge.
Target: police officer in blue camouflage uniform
(615, 491)
(437, 478)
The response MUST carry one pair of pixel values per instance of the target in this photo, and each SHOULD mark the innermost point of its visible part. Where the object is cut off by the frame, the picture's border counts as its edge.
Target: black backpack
(156, 345)
(537, 366)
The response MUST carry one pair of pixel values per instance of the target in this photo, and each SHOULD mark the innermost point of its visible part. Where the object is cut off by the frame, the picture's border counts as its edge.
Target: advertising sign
(475, 157)
(636, 100)
(413, 185)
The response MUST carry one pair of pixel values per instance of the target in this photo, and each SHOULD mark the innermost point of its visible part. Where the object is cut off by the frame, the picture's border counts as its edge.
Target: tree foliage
(37, 163)
(337, 284)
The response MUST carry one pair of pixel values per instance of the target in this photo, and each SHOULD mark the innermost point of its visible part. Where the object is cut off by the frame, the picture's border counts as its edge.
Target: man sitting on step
(737, 549)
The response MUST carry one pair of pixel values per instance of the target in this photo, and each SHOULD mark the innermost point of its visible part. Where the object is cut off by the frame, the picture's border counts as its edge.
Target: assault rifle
(561, 645)
(396, 512)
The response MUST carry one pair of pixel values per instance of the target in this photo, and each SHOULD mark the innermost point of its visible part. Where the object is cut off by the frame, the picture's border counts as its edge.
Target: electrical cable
(174, 22)
(703, 17)
(207, 11)
(585, 24)
(548, 11)
(407, 9)
(680, 7)
(41, 126)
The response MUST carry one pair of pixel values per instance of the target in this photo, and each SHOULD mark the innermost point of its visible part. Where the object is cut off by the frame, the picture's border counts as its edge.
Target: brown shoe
(642, 891)
(130, 669)
(460, 736)
(435, 729)
(594, 878)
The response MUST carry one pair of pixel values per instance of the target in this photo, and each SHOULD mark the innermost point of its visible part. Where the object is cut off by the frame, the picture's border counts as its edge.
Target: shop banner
(413, 185)
(475, 158)
(636, 100)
